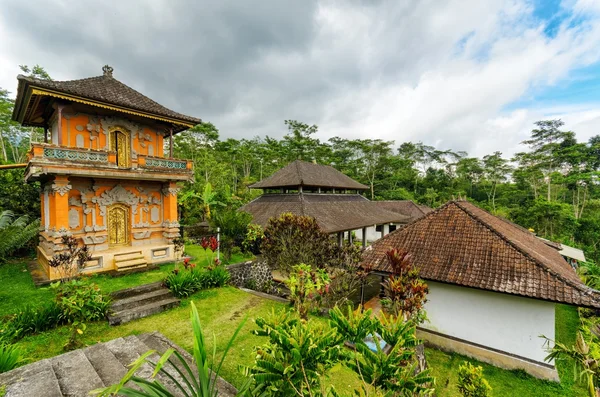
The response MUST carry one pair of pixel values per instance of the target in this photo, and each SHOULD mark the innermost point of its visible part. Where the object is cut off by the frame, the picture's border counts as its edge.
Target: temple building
(324, 193)
(104, 174)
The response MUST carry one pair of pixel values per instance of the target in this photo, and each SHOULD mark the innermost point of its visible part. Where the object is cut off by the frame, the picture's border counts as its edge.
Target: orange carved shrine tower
(103, 171)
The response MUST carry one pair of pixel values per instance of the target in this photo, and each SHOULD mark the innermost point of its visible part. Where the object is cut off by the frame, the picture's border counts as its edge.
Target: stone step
(36, 379)
(141, 299)
(126, 256)
(127, 315)
(131, 264)
(76, 375)
(137, 290)
(106, 365)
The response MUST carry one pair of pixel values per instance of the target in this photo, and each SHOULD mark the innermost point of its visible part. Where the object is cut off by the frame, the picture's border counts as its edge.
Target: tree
(495, 170)
(299, 143)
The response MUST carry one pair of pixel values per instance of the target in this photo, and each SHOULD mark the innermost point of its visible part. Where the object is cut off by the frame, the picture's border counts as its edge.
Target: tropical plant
(396, 331)
(31, 320)
(233, 225)
(295, 358)
(199, 383)
(394, 370)
(74, 258)
(355, 325)
(306, 287)
(586, 361)
(253, 239)
(10, 357)
(405, 292)
(79, 301)
(590, 274)
(15, 232)
(471, 382)
(184, 282)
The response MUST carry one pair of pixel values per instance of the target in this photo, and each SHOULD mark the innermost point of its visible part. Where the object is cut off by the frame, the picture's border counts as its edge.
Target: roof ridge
(296, 162)
(581, 287)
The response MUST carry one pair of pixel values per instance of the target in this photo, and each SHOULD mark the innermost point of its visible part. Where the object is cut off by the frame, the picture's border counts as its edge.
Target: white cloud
(438, 72)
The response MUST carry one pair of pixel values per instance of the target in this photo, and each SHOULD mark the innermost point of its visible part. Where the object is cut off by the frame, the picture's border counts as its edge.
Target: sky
(465, 75)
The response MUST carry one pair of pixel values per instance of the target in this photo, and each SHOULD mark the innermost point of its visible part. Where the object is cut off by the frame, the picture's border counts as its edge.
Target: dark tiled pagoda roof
(462, 244)
(103, 90)
(302, 173)
(405, 207)
(333, 212)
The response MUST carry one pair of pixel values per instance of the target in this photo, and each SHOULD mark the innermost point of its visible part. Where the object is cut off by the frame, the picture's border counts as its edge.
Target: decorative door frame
(125, 222)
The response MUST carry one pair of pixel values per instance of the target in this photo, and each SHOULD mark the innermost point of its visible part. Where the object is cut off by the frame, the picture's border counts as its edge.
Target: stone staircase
(76, 373)
(127, 261)
(141, 301)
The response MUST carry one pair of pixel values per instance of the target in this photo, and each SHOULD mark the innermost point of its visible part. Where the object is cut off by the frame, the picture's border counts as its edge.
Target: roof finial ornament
(107, 70)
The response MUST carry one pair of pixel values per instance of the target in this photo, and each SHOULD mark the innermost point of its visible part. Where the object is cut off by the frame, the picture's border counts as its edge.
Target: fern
(15, 233)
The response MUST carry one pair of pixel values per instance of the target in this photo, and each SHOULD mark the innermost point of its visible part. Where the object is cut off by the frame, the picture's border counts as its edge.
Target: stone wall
(254, 275)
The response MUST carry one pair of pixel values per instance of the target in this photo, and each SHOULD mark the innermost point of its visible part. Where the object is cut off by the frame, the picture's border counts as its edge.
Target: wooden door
(118, 225)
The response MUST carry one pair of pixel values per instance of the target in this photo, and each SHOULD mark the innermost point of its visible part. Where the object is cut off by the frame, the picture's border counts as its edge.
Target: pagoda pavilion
(104, 174)
(324, 193)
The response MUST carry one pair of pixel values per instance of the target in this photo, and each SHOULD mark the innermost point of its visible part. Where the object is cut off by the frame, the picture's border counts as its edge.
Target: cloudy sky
(467, 74)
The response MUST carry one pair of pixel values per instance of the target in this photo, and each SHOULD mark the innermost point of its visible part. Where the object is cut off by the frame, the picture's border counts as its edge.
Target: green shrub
(184, 282)
(217, 277)
(181, 283)
(471, 382)
(31, 320)
(81, 300)
(10, 357)
(355, 325)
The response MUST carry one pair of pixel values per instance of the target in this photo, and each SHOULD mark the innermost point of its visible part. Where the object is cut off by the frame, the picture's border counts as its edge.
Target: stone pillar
(364, 237)
(340, 238)
(59, 204)
(350, 237)
(170, 218)
(382, 231)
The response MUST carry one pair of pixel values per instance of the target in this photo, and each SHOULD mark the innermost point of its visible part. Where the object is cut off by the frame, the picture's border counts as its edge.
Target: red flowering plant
(405, 292)
(307, 286)
(186, 262)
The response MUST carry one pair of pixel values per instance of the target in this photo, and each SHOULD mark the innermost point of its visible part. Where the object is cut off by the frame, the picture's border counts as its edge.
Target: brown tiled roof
(333, 212)
(462, 244)
(105, 89)
(302, 173)
(405, 207)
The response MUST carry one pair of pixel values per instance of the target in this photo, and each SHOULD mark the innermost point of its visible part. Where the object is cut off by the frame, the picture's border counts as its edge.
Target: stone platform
(76, 373)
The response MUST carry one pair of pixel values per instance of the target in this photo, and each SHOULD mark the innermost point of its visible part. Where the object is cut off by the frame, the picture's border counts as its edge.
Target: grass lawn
(221, 310)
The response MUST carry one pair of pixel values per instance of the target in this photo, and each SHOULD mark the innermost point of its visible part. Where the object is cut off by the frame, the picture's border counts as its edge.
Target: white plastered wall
(504, 322)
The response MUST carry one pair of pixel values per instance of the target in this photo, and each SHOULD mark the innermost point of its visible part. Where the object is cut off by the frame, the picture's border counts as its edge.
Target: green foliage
(81, 300)
(295, 358)
(234, 226)
(10, 357)
(16, 233)
(254, 238)
(32, 319)
(471, 382)
(355, 325)
(184, 282)
(306, 288)
(405, 292)
(585, 357)
(200, 381)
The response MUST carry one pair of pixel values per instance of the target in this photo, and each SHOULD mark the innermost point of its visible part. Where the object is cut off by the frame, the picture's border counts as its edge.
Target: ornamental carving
(117, 194)
(61, 189)
(170, 191)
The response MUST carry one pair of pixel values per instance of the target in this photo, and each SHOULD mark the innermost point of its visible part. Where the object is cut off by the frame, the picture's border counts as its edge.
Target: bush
(355, 325)
(31, 320)
(471, 382)
(81, 300)
(184, 282)
(10, 357)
